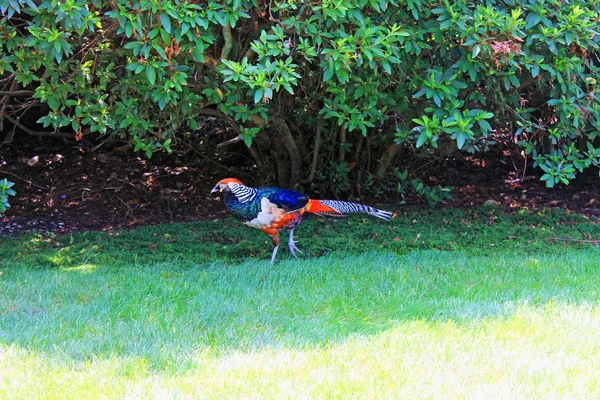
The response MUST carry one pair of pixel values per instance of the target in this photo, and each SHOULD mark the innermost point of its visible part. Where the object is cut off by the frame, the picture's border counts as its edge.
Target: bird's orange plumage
(227, 181)
(316, 207)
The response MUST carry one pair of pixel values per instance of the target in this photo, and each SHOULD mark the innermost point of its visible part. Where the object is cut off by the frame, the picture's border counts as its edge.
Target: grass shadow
(483, 230)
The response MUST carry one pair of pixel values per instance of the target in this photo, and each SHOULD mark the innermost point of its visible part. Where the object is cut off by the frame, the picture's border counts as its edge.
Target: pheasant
(272, 209)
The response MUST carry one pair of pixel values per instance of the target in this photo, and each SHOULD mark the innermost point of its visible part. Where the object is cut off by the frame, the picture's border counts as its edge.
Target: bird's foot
(294, 249)
(292, 246)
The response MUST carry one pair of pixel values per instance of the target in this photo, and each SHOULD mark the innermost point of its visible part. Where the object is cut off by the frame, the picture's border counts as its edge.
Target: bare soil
(65, 189)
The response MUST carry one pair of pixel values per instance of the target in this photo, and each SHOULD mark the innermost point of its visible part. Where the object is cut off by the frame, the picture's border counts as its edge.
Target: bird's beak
(216, 189)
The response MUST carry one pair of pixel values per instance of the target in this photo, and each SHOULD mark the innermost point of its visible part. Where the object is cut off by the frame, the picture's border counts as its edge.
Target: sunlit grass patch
(543, 351)
(105, 315)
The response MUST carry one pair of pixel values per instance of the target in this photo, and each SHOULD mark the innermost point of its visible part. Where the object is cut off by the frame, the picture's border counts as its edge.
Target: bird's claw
(294, 249)
(292, 245)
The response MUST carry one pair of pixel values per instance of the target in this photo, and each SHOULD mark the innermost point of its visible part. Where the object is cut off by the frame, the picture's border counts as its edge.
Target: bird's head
(223, 185)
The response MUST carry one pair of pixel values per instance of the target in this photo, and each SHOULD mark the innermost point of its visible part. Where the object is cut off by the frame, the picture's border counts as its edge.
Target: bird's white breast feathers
(269, 212)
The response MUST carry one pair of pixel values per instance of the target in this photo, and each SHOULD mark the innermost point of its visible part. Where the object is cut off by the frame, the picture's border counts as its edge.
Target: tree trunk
(343, 139)
(387, 158)
(286, 176)
(315, 156)
(360, 168)
(282, 161)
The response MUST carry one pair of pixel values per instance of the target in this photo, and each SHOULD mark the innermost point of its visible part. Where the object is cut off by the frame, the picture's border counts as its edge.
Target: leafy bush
(5, 191)
(314, 88)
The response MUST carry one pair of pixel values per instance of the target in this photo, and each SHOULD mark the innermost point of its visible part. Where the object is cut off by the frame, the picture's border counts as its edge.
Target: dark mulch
(63, 189)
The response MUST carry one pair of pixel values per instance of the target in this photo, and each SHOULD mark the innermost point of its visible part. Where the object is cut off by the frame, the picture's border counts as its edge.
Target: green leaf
(393, 60)
(165, 21)
(446, 24)
(420, 93)
(342, 75)
(184, 28)
(258, 95)
(247, 139)
(167, 145)
(131, 45)
(485, 126)
(31, 4)
(386, 66)
(532, 20)
(460, 140)
(151, 74)
(421, 139)
(165, 36)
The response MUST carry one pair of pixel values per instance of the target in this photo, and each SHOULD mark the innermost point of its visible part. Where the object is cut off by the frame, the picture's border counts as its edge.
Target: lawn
(436, 304)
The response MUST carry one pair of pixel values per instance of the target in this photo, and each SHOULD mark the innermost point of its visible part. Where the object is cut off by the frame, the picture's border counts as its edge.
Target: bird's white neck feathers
(243, 193)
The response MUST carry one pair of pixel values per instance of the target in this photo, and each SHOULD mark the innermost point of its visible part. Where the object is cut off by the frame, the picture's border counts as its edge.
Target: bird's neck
(240, 193)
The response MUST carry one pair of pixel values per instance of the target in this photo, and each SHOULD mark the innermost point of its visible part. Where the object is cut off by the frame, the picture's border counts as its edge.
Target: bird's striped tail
(336, 208)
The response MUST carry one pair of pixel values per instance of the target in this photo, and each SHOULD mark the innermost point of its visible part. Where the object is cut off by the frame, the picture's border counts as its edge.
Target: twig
(110, 139)
(16, 92)
(4, 103)
(38, 133)
(10, 136)
(25, 180)
(216, 113)
(343, 136)
(426, 164)
(524, 169)
(588, 209)
(129, 210)
(200, 154)
(517, 180)
(228, 142)
(129, 183)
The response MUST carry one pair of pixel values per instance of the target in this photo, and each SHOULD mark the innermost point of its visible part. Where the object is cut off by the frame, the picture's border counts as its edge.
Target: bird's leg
(274, 235)
(292, 245)
(274, 254)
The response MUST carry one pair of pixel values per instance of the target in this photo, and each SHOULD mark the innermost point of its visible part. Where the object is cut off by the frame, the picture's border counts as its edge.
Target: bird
(273, 209)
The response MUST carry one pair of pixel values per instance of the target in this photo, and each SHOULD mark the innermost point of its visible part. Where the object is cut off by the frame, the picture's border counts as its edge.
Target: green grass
(466, 310)
(474, 232)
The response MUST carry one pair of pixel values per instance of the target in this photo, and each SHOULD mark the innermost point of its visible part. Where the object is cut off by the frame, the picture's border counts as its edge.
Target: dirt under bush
(65, 189)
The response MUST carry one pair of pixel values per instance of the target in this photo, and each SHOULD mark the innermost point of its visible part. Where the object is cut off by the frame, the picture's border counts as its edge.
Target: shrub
(314, 88)
(5, 191)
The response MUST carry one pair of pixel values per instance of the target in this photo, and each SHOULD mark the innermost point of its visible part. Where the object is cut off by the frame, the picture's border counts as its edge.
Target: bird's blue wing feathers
(287, 199)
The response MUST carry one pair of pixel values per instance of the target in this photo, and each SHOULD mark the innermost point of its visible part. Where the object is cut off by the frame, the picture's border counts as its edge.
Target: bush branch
(38, 133)
(16, 93)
